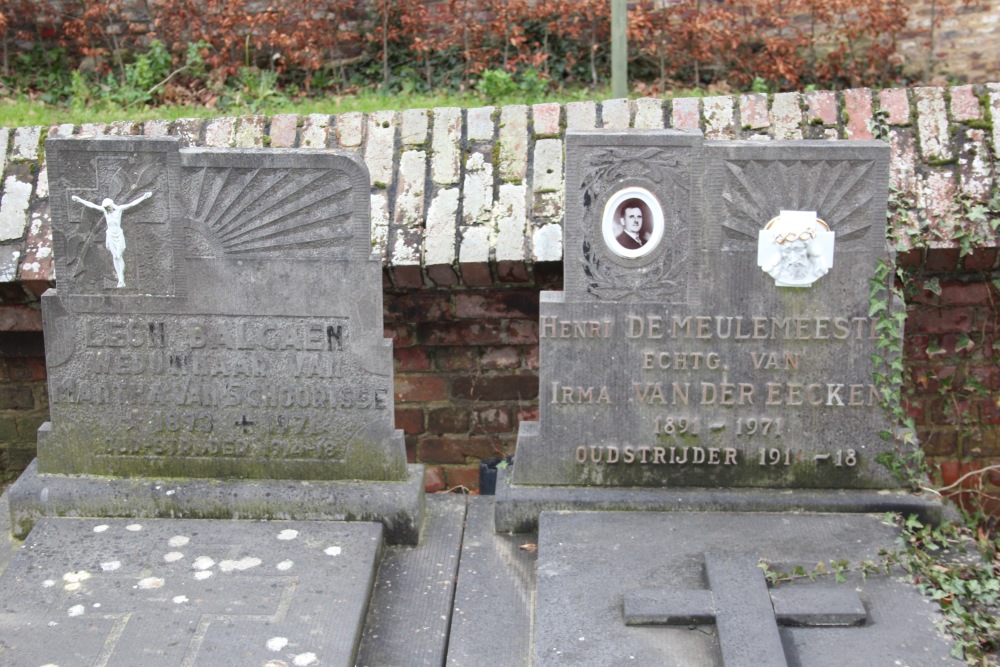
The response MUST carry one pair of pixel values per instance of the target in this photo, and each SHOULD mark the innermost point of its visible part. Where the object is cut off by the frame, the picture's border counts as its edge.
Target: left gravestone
(218, 317)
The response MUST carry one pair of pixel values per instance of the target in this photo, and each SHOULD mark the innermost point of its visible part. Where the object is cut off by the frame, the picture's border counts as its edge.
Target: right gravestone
(717, 327)
(713, 400)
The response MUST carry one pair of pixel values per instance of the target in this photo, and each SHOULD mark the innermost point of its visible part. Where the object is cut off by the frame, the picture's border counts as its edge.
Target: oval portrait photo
(632, 223)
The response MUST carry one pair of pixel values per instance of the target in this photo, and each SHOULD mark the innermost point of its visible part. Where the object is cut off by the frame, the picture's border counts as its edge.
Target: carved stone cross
(745, 612)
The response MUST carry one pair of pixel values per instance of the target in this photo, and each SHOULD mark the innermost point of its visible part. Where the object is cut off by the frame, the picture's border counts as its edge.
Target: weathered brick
(92, 129)
(512, 153)
(975, 167)
(547, 170)
(512, 271)
(500, 358)
(124, 128)
(492, 420)
(446, 141)
(546, 118)
(940, 320)
(448, 420)
(965, 104)
(956, 293)
(153, 128)
(942, 259)
(510, 217)
(380, 148)
(786, 116)
(410, 420)
(283, 131)
(350, 129)
(896, 105)
(822, 107)
(981, 259)
(546, 243)
(16, 397)
(528, 413)
(442, 275)
(463, 476)
(219, 132)
(581, 115)
(858, 107)
(431, 306)
(455, 358)
(685, 113)
(720, 121)
(411, 359)
(479, 124)
(932, 123)
(401, 334)
(434, 481)
(462, 333)
(8, 429)
(26, 369)
(441, 228)
(414, 127)
(476, 274)
(20, 318)
(496, 388)
(249, 132)
(408, 275)
(26, 143)
(440, 450)
(316, 130)
(615, 114)
(188, 130)
(994, 91)
(496, 304)
(753, 111)
(648, 113)
(420, 388)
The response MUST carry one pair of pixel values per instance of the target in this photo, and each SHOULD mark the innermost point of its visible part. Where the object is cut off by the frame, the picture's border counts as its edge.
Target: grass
(21, 111)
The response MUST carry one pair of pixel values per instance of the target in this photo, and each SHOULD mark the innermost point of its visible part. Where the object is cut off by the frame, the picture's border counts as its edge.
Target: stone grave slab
(683, 589)
(730, 347)
(218, 316)
(192, 592)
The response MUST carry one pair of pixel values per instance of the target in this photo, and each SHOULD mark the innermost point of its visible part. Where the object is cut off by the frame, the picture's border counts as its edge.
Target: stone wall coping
(459, 196)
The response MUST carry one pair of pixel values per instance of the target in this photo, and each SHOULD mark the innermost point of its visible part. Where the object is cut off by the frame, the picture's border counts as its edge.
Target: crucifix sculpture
(114, 239)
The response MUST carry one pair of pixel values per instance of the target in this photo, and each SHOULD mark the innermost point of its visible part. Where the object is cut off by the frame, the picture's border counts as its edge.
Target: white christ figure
(114, 239)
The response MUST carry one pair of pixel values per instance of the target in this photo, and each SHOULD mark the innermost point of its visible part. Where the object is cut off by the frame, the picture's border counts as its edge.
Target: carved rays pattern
(756, 191)
(606, 278)
(268, 212)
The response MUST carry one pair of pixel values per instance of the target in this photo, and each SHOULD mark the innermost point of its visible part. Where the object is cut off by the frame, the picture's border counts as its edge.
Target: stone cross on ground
(746, 613)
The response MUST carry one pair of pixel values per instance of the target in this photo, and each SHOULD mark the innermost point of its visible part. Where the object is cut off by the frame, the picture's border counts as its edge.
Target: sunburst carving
(268, 212)
(755, 191)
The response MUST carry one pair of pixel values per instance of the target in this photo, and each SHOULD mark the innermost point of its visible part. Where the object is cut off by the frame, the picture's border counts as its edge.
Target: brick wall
(966, 42)
(466, 211)
(466, 363)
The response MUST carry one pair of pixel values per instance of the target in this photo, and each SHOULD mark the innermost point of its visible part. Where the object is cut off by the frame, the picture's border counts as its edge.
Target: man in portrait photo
(631, 219)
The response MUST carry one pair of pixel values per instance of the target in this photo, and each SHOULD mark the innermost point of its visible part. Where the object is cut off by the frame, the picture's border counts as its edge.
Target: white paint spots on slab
(111, 566)
(101, 528)
(173, 556)
(202, 563)
(48, 583)
(134, 527)
(75, 610)
(304, 659)
(288, 534)
(178, 540)
(75, 579)
(332, 551)
(180, 599)
(150, 583)
(244, 563)
(284, 565)
(204, 574)
(276, 643)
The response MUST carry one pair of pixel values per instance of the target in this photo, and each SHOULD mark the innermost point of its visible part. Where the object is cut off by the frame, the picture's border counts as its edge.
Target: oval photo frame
(650, 232)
